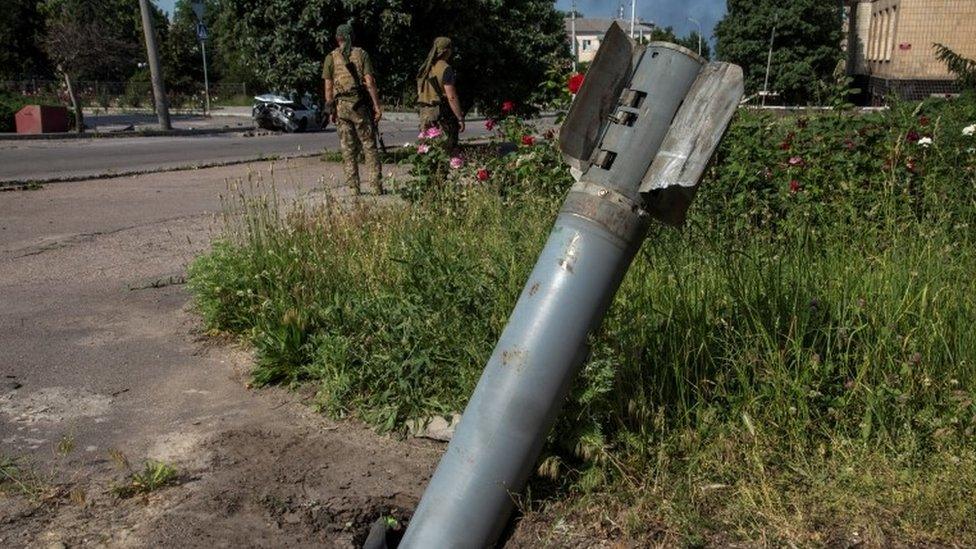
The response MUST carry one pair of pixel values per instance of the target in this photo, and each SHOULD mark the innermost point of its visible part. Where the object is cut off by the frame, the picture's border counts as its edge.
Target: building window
(587, 44)
(890, 45)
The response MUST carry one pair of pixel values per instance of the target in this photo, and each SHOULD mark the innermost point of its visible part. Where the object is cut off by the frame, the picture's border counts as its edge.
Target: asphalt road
(77, 158)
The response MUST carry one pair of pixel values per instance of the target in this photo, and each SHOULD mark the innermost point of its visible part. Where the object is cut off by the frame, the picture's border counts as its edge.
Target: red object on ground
(42, 119)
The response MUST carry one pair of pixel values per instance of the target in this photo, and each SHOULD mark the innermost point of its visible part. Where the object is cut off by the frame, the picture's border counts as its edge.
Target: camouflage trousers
(441, 117)
(355, 129)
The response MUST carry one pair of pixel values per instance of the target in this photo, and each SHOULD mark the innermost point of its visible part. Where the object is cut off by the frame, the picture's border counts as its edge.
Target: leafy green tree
(667, 34)
(963, 68)
(503, 48)
(21, 33)
(91, 39)
(806, 50)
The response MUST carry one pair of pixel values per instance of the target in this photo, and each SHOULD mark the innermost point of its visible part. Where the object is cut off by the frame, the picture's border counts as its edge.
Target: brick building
(889, 45)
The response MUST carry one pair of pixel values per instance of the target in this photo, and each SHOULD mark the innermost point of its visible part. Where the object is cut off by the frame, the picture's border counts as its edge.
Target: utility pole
(633, 16)
(573, 33)
(769, 63)
(152, 53)
(697, 22)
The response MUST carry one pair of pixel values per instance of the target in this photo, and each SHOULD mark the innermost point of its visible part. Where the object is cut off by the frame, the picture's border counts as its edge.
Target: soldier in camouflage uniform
(350, 92)
(437, 97)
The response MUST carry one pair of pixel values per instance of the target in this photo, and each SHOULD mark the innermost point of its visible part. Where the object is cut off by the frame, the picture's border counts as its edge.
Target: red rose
(483, 174)
(508, 106)
(849, 144)
(575, 83)
(794, 186)
(923, 120)
(490, 124)
(528, 140)
(912, 136)
(785, 146)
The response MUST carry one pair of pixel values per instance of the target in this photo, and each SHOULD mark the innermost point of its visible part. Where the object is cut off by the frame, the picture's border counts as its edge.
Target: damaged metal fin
(672, 180)
(605, 80)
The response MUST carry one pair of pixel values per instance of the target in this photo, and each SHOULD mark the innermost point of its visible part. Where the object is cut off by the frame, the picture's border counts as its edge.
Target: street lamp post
(769, 64)
(697, 22)
(573, 32)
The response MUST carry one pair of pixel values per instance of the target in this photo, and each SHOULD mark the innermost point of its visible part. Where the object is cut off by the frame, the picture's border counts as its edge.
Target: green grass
(791, 367)
(153, 476)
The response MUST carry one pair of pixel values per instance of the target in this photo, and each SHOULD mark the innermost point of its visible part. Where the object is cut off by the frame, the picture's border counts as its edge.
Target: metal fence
(105, 95)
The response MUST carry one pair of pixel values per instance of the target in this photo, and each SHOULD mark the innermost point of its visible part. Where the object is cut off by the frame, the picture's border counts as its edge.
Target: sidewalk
(135, 124)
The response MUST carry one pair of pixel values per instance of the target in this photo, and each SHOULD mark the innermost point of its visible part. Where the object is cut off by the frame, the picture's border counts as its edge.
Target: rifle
(365, 98)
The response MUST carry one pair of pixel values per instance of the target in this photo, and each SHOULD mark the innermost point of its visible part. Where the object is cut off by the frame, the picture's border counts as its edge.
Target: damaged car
(278, 113)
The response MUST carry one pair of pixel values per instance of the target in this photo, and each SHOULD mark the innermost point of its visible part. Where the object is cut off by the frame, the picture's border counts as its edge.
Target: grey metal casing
(596, 235)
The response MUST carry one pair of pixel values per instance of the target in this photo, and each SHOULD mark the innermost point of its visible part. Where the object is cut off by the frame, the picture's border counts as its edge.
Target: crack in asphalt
(82, 238)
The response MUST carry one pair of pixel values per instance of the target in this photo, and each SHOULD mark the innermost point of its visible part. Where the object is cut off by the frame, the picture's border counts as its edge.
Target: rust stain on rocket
(516, 356)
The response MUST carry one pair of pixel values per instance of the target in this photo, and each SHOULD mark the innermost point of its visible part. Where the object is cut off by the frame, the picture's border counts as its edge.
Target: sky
(662, 12)
(166, 5)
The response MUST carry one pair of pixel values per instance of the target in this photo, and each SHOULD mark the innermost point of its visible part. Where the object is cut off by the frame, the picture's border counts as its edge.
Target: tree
(21, 33)
(806, 50)
(667, 34)
(84, 39)
(962, 67)
(503, 48)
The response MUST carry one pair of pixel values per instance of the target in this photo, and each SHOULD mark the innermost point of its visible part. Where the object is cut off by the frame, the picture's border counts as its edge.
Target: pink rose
(433, 132)
(457, 162)
(423, 148)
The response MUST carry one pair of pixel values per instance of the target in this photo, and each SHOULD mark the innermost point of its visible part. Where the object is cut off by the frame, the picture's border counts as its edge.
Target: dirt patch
(298, 482)
(53, 404)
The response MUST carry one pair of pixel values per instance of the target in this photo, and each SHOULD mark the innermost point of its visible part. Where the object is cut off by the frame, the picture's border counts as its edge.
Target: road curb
(24, 184)
(117, 134)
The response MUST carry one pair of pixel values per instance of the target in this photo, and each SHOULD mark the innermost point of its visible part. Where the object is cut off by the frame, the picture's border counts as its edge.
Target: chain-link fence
(105, 95)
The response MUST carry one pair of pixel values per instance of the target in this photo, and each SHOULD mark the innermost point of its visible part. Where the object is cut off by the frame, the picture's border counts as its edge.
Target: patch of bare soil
(298, 482)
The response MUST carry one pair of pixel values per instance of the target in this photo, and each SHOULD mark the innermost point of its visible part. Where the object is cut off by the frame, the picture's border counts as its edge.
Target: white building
(590, 32)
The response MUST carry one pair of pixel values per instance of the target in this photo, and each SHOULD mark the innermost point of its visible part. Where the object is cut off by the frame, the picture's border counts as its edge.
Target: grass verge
(795, 366)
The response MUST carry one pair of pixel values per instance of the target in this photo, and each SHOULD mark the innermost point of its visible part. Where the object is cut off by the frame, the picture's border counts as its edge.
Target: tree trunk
(75, 104)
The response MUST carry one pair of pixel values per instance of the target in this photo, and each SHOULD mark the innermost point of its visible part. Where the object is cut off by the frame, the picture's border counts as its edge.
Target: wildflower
(923, 120)
(508, 106)
(528, 140)
(575, 83)
(490, 124)
(423, 148)
(912, 137)
(968, 131)
(796, 161)
(433, 132)
(785, 146)
(483, 174)
(849, 144)
(794, 186)
(457, 162)
(925, 142)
